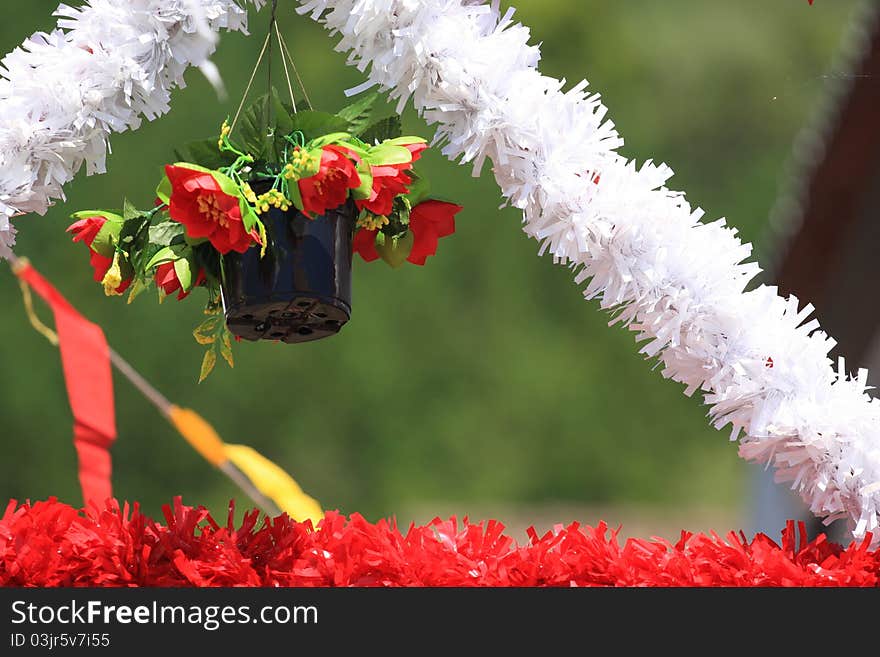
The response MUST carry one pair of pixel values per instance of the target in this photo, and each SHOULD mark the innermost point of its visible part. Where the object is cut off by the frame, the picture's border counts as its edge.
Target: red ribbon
(85, 357)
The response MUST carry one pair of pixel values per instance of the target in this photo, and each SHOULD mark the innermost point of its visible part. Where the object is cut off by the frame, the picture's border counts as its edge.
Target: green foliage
(394, 250)
(371, 120)
(213, 334)
(266, 123)
(419, 191)
(205, 153)
(387, 128)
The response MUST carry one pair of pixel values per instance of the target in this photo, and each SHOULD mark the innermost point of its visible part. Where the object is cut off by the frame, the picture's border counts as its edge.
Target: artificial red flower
(166, 278)
(428, 222)
(85, 231)
(364, 244)
(199, 202)
(328, 189)
(389, 182)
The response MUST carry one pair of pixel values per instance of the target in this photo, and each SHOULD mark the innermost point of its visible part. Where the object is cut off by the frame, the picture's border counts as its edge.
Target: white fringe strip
(106, 65)
(637, 246)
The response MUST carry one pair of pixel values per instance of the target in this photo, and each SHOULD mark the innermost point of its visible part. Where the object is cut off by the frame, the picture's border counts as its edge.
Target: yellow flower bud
(113, 278)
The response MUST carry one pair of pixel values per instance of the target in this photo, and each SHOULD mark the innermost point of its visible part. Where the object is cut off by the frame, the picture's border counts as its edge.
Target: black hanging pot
(301, 289)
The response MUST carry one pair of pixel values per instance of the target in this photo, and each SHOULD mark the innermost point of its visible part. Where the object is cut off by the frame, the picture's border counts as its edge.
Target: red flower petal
(429, 221)
(416, 150)
(198, 202)
(100, 264)
(364, 244)
(380, 203)
(328, 188)
(86, 230)
(390, 181)
(166, 278)
(123, 286)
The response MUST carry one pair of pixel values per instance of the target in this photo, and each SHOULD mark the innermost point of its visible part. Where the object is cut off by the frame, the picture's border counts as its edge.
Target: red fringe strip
(52, 544)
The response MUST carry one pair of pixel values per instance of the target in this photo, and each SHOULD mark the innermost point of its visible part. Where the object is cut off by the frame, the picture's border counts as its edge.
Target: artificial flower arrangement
(267, 222)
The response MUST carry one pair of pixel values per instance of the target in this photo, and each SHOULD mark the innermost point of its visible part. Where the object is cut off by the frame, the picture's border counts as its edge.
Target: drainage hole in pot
(331, 322)
(278, 334)
(304, 304)
(304, 330)
(321, 315)
(262, 326)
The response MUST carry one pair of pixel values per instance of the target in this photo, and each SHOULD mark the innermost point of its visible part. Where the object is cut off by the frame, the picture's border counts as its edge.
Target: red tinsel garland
(53, 544)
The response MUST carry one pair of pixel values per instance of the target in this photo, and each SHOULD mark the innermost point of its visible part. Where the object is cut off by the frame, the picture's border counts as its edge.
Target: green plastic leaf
(206, 332)
(248, 216)
(356, 147)
(253, 129)
(402, 141)
(164, 255)
(208, 364)
(125, 268)
(358, 114)
(326, 140)
(135, 240)
(194, 241)
(400, 216)
(295, 195)
(107, 238)
(283, 119)
(388, 128)
(226, 346)
(419, 190)
(129, 211)
(366, 186)
(263, 124)
(387, 154)
(372, 119)
(109, 216)
(184, 273)
(165, 233)
(289, 107)
(131, 229)
(396, 251)
(206, 153)
(137, 287)
(317, 124)
(163, 190)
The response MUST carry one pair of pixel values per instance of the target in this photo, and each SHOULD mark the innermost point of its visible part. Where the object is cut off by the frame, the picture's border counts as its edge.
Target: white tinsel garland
(108, 64)
(636, 245)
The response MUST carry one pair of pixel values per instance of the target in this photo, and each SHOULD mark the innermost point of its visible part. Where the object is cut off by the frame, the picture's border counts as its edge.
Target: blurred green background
(483, 378)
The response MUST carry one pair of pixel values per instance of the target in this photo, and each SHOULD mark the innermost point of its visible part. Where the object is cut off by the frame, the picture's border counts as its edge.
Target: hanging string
(251, 81)
(286, 70)
(289, 57)
(286, 60)
(269, 67)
